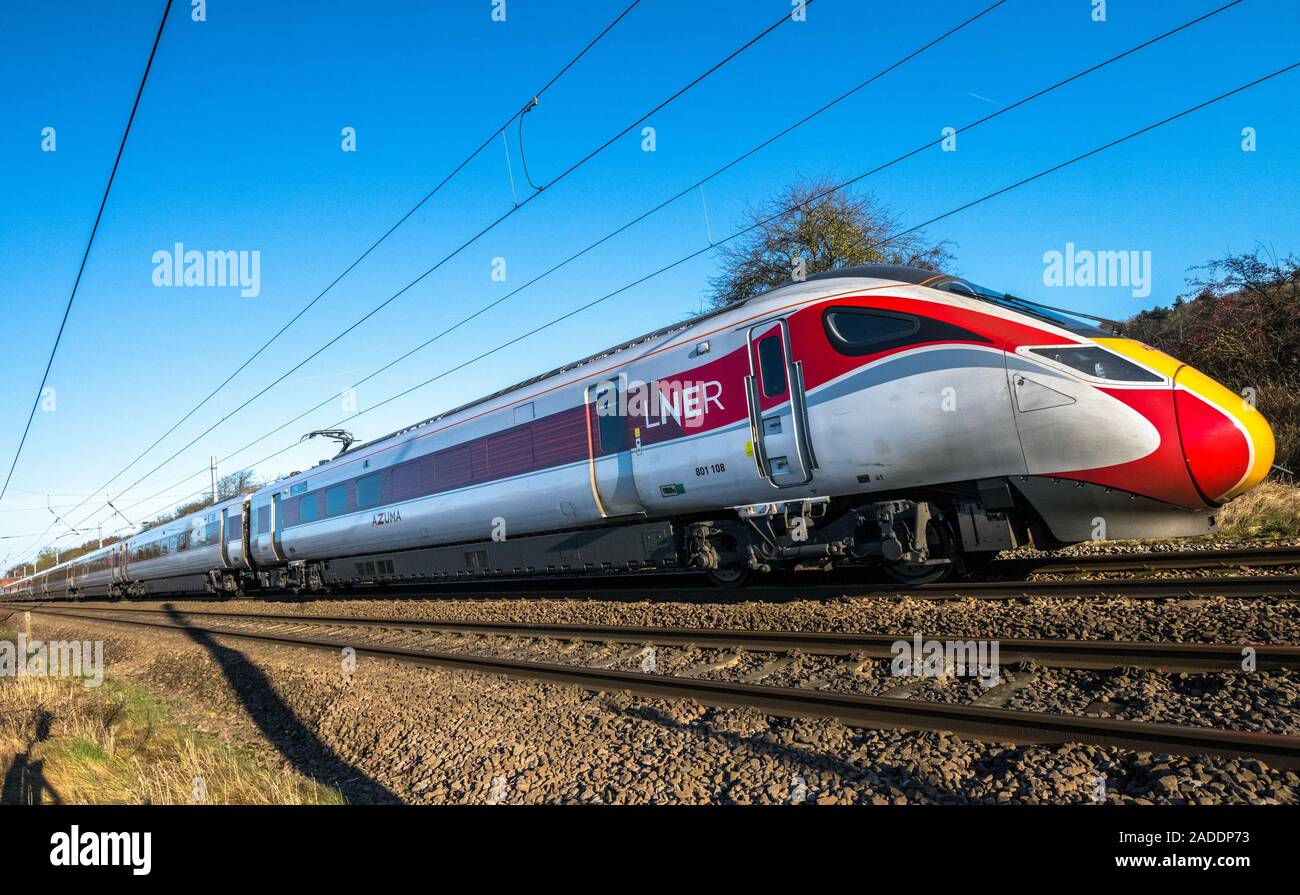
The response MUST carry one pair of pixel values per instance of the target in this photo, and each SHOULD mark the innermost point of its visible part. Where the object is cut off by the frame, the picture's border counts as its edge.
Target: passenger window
(369, 492)
(613, 431)
(336, 500)
(308, 507)
(771, 366)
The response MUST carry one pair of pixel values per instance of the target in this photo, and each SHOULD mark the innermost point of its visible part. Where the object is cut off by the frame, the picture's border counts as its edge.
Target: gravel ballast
(393, 732)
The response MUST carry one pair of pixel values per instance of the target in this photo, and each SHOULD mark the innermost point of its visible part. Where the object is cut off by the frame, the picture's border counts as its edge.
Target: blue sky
(237, 146)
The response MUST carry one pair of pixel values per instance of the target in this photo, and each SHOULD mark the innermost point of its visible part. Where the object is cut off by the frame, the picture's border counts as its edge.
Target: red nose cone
(1216, 450)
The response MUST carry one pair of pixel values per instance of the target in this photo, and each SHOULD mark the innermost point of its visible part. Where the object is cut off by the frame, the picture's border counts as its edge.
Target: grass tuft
(1270, 510)
(120, 744)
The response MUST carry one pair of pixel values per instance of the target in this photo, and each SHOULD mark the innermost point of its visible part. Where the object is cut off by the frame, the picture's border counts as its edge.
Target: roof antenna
(340, 435)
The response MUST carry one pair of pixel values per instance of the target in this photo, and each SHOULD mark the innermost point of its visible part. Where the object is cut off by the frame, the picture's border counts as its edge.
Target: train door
(246, 534)
(277, 548)
(778, 411)
(609, 455)
(221, 533)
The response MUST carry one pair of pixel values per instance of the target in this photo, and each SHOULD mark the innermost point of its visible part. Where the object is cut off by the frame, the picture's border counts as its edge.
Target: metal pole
(214, 478)
(99, 528)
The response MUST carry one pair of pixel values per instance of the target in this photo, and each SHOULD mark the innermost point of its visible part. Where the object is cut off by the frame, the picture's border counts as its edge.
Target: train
(887, 417)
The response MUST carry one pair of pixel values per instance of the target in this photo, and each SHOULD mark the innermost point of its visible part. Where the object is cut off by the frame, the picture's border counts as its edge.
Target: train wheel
(732, 577)
(942, 544)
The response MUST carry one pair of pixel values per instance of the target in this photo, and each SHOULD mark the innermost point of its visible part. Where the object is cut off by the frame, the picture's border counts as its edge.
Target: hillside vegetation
(1240, 324)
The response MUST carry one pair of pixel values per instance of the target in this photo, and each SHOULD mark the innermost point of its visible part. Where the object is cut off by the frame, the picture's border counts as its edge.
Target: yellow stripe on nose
(1241, 409)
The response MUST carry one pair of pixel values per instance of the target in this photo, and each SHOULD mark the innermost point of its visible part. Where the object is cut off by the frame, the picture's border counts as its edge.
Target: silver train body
(877, 415)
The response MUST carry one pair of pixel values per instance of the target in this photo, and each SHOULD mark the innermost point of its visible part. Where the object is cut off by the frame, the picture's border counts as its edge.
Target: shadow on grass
(25, 782)
(299, 745)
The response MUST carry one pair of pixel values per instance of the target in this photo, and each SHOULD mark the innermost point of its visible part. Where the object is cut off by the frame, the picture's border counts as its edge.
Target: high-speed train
(872, 415)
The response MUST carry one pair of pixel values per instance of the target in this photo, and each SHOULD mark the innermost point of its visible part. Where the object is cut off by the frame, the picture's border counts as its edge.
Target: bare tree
(237, 483)
(233, 485)
(809, 228)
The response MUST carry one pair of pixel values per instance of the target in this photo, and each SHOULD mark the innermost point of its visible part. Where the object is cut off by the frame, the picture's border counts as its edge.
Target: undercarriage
(914, 540)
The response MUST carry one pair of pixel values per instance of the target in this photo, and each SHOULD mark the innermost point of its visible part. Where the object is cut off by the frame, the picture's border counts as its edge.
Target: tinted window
(453, 468)
(771, 366)
(1058, 317)
(1098, 362)
(851, 330)
(368, 492)
(612, 430)
(510, 453)
(336, 500)
(233, 532)
(309, 507)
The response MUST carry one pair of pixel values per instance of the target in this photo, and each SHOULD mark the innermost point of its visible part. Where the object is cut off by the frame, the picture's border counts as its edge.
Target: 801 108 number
(711, 469)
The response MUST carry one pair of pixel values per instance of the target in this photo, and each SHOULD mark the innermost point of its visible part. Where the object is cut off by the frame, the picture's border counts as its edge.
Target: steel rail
(833, 585)
(1156, 561)
(975, 722)
(1053, 653)
(654, 586)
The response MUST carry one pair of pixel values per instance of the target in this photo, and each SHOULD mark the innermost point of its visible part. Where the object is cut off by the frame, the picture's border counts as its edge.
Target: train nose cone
(1227, 443)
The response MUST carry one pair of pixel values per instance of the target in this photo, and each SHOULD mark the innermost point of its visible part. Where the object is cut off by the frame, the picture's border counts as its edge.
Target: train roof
(902, 273)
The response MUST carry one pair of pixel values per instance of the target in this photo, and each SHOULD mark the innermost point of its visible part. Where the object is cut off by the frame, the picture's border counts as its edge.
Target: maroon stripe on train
(555, 440)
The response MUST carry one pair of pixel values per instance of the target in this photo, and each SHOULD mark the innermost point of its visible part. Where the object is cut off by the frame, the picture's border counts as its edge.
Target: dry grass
(118, 744)
(1270, 510)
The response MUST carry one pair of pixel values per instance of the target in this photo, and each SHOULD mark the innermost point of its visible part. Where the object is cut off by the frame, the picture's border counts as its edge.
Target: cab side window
(862, 331)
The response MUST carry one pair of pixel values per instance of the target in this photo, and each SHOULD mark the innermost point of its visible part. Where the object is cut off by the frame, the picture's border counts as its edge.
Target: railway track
(1053, 653)
(801, 586)
(974, 721)
(1154, 561)
(840, 586)
(1003, 581)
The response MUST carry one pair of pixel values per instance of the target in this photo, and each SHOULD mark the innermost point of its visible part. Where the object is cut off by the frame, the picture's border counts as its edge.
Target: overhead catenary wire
(699, 184)
(639, 218)
(895, 236)
(523, 158)
(552, 182)
(500, 131)
(879, 243)
(1033, 96)
(85, 256)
